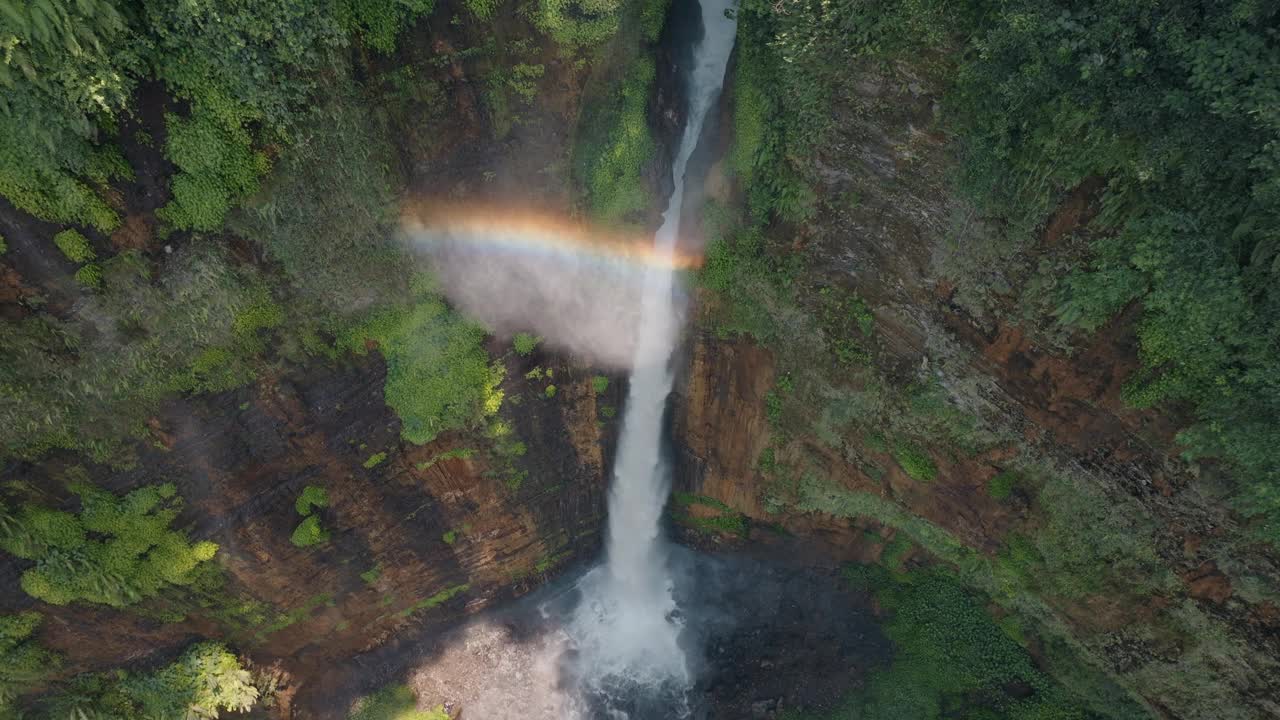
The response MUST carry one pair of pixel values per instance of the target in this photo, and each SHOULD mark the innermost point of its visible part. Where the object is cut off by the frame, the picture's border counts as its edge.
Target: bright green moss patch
(374, 460)
(438, 599)
(309, 533)
(116, 551)
(549, 391)
(577, 24)
(394, 702)
(313, 496)
(915, 462)
(599, 383)
(90, 276)
(74, 246)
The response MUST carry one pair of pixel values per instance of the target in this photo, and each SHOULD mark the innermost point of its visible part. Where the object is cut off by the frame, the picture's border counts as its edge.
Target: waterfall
(628, 627)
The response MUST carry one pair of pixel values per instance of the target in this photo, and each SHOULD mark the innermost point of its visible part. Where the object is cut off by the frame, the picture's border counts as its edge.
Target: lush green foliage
(309, 532)
(1169, 109)
(115, 551)
(329, 212)
(578, 24)
(68, 70)
(950, 658)
(204, 681)
(379, 21)
(394, 702)
(524, 343)
(75, 246)
(599, 383)
(67, 383)
(313, 496)
(23, 662)
(918, 465)
(615, 145)
(438, 374)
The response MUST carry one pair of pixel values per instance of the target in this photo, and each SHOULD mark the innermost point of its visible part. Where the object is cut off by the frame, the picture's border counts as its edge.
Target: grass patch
(915, 463)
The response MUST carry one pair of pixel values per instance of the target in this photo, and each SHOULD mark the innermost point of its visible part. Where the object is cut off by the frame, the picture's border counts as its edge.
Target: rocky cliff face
(1194, 631)
(418, 535)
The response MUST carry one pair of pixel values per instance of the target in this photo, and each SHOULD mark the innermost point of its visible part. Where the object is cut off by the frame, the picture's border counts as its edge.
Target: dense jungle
(976, 403)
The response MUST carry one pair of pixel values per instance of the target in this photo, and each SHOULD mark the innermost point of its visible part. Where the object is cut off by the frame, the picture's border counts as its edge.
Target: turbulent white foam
(626, 629)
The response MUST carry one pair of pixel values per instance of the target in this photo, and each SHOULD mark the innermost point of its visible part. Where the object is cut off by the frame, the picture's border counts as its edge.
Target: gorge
(331, 386)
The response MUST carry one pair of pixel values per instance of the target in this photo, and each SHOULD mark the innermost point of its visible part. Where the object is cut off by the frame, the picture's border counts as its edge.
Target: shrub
(117, 551)
(202, 682)
(217, 168)
(1001, 486)
(524, 343)
(550, 391)
(374, 460)
(23, 662)
(577, 24)
(313, 496)
(438, 373)
(615, 145)
(75, 246)
(90, 276)
(394, 702)
(309, 532)
(599, 383)
(915, 462)
(379, 22)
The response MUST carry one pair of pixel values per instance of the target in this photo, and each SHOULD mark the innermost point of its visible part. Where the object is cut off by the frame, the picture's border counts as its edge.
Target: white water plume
(626, 629)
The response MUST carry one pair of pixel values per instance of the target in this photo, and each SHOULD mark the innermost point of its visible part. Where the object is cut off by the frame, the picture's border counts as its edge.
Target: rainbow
(517, 232)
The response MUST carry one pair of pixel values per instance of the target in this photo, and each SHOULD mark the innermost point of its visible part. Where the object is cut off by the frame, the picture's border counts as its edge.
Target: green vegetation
(726, 520)
(438, 373)
(204, 681)
(1157, 115)
(371, 575)
(309, 532)
(615, 145)
(549, 391)
(313, 496)
(599, 383)
(577, 24)
(450, 537)
(524, 343)
(75, 246)
(374, 460)
(394, 702)
(438, 599)
(951, 659)
(23, 662)
(1002, 485)
(915, 462)
(116, 551)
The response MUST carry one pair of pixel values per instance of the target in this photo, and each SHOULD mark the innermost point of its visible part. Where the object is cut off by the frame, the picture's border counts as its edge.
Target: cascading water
(626, 630)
